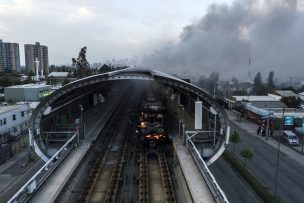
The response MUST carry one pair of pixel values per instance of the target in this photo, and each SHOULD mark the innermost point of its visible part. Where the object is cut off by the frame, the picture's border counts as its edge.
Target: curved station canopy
(70, 92)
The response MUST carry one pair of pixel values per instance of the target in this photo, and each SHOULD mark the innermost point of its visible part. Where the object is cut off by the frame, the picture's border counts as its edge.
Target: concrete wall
(24, 94)
(15, 94)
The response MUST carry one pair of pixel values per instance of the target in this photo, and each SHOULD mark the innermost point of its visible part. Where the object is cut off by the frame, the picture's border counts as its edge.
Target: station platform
(196, 184)
(95, 120)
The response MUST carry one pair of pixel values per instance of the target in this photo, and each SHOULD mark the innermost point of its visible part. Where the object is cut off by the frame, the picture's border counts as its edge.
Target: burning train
(152, 118)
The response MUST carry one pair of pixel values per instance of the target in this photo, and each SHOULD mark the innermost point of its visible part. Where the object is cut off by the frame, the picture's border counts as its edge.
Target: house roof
(267, 104)
(58, 74)
(4, 109)
(31, 86)
(254, 98)
(286, 93)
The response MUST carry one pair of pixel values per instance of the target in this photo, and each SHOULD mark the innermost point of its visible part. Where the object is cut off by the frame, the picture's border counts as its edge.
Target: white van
(290, 137)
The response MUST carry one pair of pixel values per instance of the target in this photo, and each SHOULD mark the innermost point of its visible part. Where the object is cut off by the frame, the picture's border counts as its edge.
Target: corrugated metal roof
(4, 109)
(267, 104)
(286, 93)
(58, 74)
(254, 98)
(31, 85)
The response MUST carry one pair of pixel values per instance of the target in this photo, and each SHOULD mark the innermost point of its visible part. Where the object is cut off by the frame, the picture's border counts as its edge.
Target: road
(18, 172)
(236, 190)
(290, 184)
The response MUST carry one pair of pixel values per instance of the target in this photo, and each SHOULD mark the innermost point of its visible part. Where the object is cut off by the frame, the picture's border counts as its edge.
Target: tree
(203, 82)
(105, 68)
(235, 138)
(258, 86)
(65, 82)
(291, 102)
(9, 80)
(51, 80)
(212, 82)
(257, 83)
(247, 153)
(270, 82)
(235, 81)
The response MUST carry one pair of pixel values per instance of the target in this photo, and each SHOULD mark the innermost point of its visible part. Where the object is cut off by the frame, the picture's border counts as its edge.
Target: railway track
(155, 184)
(104, 180)
(107, 176)
(126, 169)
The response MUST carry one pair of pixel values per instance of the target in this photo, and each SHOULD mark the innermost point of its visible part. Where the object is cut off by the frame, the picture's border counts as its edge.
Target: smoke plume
(268, 33)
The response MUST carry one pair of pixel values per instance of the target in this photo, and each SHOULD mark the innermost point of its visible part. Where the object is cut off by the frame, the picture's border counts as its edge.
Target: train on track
(152, 118)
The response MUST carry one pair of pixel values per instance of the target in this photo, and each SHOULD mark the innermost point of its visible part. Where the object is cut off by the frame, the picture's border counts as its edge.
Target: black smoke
(268, 33)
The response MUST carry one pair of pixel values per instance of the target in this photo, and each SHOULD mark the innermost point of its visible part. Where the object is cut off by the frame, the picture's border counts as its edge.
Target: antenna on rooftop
(249, 73)
(37, 73)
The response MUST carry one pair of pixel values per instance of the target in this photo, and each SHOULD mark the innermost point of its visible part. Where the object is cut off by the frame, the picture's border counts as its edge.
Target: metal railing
(217, 192)
(39, 178)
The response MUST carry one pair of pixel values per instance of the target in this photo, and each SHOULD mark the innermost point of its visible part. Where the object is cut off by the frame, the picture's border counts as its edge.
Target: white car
(290, 137)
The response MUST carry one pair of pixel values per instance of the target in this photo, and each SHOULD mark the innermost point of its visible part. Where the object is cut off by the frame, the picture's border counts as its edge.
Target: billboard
(198, 115)
(289, 120)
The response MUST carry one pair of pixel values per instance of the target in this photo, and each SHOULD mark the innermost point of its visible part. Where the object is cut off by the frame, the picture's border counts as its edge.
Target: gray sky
(269, 32)
(109, 28)
(190, 38)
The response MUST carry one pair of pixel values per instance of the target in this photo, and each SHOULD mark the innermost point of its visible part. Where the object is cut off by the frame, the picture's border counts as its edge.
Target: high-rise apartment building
(9, 57)
(33, 51)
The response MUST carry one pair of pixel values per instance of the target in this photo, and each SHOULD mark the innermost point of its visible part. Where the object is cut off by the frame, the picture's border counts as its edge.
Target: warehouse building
(28, 92)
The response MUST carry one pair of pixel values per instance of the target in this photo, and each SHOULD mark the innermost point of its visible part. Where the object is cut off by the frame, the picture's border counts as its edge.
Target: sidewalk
(251, 128)
(196, 183)
(198, 187)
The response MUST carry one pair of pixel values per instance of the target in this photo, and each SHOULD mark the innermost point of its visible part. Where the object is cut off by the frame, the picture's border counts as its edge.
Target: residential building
(58, 78)
(27, 92)
(9, 57)
(13, 119)
(33, 51)
(13, 129)
(285, 93)
(234, 102)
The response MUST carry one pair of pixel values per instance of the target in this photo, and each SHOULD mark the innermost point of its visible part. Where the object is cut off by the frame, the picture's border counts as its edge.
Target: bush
(260, 189)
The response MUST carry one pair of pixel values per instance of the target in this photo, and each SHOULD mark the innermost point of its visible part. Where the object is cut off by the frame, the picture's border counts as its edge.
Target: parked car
(290, 137)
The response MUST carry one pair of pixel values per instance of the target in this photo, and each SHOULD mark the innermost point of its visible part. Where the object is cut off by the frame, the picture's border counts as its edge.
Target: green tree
(257, 83)
(234, 138)
(9, 80)
(65, 82)
(212, 82)
(51, 80)
(247, 153)
(203, 82)
(291, 102)
(270, 82)
(10, 101)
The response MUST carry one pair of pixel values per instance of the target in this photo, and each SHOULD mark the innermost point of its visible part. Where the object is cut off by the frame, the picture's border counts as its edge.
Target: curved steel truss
(45, 106)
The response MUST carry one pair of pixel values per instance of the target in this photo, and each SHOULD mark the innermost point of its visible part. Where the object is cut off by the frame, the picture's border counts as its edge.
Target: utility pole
(267, 135)
(278, 157)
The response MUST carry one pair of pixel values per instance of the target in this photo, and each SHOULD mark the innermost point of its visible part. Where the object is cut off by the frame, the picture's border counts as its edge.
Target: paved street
(236, 190)
(13, 175)
(290, 185)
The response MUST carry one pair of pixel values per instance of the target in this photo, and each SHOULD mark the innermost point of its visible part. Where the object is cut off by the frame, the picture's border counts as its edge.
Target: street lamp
(81, 128)
(278, 156)
(213, 111)
(180, 123)
(267, 126)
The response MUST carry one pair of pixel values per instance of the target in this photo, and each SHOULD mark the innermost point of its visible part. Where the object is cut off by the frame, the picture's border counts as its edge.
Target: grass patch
(264, 193)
